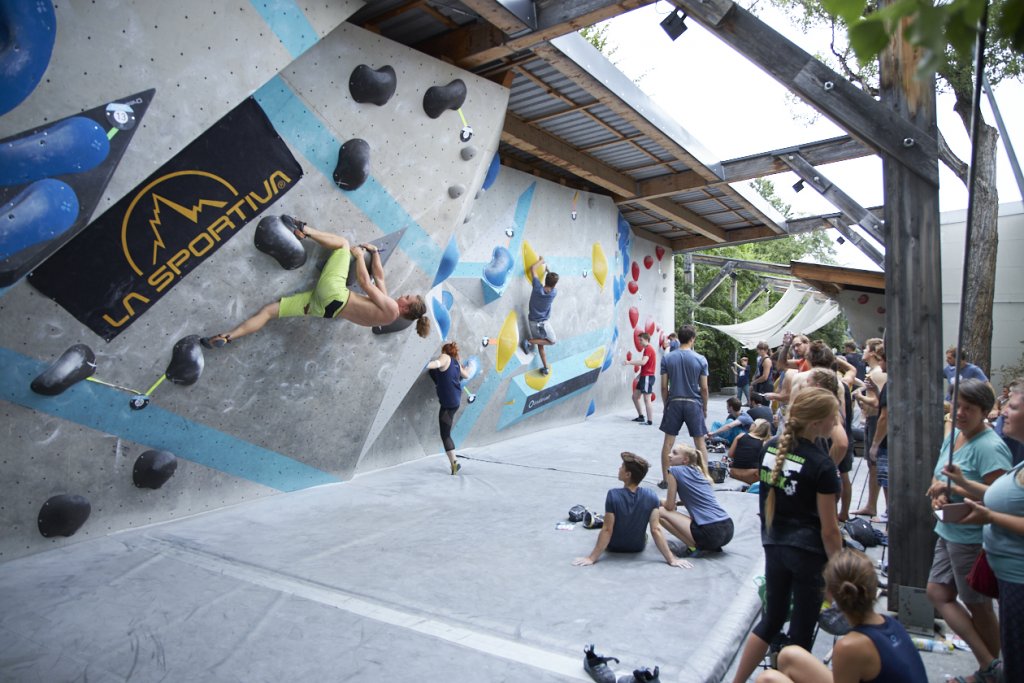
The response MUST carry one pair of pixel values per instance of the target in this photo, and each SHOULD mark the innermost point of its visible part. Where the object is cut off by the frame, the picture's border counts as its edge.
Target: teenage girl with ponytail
(877, 649)
(799, 528)
(707, 526)
(448, 373)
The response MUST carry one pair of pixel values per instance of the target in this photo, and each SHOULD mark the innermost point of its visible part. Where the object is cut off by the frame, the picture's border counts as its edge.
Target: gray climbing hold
(467, 152)
(353, 165)
(353, 275)
(438, 98)
(274, 236)
(456, 191)
(372, 86)
(397, 326)
(153, 469)
(74, 365)
(468, 218)
(186, 361)
(63, 515)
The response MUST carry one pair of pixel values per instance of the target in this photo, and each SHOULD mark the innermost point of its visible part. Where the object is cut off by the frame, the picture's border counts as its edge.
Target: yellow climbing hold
(595, 359)
(529, 258)
(600, 264)
(508, 340)
(535, 380)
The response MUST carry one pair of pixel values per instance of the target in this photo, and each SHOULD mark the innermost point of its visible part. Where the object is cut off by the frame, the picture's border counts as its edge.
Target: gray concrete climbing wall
(308, 401)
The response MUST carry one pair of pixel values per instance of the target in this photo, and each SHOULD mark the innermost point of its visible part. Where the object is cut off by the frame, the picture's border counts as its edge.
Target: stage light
(798, 185)
(674, 24)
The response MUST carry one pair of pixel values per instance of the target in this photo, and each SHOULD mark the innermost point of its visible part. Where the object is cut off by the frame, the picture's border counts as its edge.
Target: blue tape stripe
(288, 22)
(304, 131)
(106, 410)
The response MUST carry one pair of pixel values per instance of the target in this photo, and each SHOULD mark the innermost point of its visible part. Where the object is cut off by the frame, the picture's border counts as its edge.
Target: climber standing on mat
(332, 299)
(448, 373)
(541, 332)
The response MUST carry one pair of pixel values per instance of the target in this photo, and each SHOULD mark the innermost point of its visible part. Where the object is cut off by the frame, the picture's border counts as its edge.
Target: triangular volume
(53, 177)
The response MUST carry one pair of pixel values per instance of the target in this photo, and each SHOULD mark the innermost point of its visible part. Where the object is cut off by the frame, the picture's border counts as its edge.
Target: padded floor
(401, 574)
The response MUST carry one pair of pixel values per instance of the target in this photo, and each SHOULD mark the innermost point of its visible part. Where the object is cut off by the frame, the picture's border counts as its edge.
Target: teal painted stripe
(569, 265)
(106, 410)
(306, 132)
(288, 22)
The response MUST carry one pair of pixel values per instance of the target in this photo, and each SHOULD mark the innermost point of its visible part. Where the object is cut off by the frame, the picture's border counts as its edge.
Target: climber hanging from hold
(332, 299)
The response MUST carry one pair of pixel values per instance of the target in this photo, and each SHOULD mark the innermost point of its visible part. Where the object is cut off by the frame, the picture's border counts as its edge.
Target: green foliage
(766, 189)
(1013, 371)
(945, 31)
(598, 37)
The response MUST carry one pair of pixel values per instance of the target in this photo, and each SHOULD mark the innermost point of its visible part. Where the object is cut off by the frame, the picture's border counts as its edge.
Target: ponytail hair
(417, 310)
(695, 458)
(451, 349)
(851, 580)
(811, 404)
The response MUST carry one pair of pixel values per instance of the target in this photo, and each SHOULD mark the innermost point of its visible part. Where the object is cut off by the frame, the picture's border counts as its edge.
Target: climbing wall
(293, 406)
(114, 415)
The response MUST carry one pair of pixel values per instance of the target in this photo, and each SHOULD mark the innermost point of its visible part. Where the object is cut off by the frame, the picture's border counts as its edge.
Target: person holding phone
(981, 457)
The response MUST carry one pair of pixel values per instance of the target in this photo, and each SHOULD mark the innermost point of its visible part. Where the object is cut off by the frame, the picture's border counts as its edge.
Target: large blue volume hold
(40, 212)
(28, 31)
(70, 146)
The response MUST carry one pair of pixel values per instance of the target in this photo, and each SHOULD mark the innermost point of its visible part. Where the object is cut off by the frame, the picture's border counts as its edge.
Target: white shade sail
(767, 324)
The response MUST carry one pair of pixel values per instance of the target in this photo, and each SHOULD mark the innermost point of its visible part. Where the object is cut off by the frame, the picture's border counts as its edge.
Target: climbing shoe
(597, 666)
(526, 346)
(640, 418)
(641, 676)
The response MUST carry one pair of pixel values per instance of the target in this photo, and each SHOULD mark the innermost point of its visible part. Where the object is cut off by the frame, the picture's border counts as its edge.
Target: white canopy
(771, 325)
(767, 324)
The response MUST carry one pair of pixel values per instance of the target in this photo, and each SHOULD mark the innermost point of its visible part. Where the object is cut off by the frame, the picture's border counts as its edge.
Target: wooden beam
(551, 149)
(847, 277)
(498, 16)
(687, 218)
(821, 87)
(653, 237)
(839, 199)
(754, 266)
(470, 46)
(738, 236)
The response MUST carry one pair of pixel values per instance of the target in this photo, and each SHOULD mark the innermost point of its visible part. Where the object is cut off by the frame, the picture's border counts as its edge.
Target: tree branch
(951, 160)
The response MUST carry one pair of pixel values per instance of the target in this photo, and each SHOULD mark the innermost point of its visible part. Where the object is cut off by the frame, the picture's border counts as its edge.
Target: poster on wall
(124, 262)
(53, 176)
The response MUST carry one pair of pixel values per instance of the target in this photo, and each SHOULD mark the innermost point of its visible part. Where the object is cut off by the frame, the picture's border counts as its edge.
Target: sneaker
(545, 371)
(641, 676)
(455, 468)
(639, 418)
(526, 346)
(597, 666)
(662, 484)
(649, 423)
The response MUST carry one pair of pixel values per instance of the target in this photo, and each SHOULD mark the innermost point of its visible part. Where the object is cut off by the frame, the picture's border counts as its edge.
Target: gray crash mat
(401, 574)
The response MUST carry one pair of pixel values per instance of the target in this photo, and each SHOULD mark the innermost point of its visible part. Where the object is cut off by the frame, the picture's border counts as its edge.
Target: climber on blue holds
(332, 299)
(541, 332)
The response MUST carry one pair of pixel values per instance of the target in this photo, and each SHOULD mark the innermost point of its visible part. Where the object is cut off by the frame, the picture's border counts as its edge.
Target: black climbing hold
(353, 165)
(353, 275)
(372, 86)
(63, 515)
(186, 361)
(274, 236)
(74, 365)
(438, 98)
(153, 469)
(397, 326)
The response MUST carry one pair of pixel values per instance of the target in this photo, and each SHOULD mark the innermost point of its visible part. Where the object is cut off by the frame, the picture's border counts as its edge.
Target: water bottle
(931, 645)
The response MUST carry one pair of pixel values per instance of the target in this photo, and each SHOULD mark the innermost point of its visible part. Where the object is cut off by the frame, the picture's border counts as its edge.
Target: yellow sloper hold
(535, 380)
(595, 359)
(529, 258)
(508, 340)
(600, 264)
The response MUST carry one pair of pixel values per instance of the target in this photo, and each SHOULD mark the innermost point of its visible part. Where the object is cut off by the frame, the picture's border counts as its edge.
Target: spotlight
(674, 24)
(798, 185)
(840, 240)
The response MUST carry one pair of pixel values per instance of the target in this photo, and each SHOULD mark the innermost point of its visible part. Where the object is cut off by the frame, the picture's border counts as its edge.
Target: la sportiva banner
(131, 256)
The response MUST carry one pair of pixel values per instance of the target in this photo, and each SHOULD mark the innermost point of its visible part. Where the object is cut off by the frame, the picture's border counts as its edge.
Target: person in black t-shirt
(745, 452)
(799, 529)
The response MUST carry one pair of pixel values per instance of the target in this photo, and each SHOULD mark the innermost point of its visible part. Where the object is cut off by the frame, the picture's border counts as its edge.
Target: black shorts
(712, 536)
(846, 464)
(645, 385)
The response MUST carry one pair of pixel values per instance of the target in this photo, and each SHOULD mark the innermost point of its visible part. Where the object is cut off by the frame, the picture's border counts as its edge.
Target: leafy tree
(946, 32)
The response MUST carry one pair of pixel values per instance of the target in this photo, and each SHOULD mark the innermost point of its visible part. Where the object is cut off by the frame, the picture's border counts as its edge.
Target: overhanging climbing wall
(360, 137)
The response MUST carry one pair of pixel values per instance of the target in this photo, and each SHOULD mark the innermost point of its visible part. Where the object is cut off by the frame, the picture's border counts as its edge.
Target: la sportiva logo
(178, 220)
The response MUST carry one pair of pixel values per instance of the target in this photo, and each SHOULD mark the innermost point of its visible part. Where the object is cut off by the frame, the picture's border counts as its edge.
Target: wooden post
(913, 339)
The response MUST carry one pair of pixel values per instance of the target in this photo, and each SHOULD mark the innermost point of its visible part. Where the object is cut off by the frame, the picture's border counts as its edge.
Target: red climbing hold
(636, 270)
(634, 316)
(659, 251)
(636, 339)
(862, 299)
(648, 261)
(649, 328)
(629, 355)
(632, 287)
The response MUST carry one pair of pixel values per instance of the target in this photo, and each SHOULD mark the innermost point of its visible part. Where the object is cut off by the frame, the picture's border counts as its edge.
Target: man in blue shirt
(628, 511)
(541, 332)
(684, 390)
(967, 370)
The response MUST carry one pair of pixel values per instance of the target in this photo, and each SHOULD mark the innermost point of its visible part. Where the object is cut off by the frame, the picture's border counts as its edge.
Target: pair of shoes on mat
(641, 676)
(993, 673)
(597, 666)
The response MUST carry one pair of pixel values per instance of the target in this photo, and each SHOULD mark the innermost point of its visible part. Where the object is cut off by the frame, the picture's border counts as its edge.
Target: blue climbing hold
(496, 272)
(618, 287)
(591, 409)
(70, 146)
(472, 367)
(29, 30)
(37, 214)
(492, 171)
(449, 259)
(607, 361)
(442, 317)
(448, 299)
